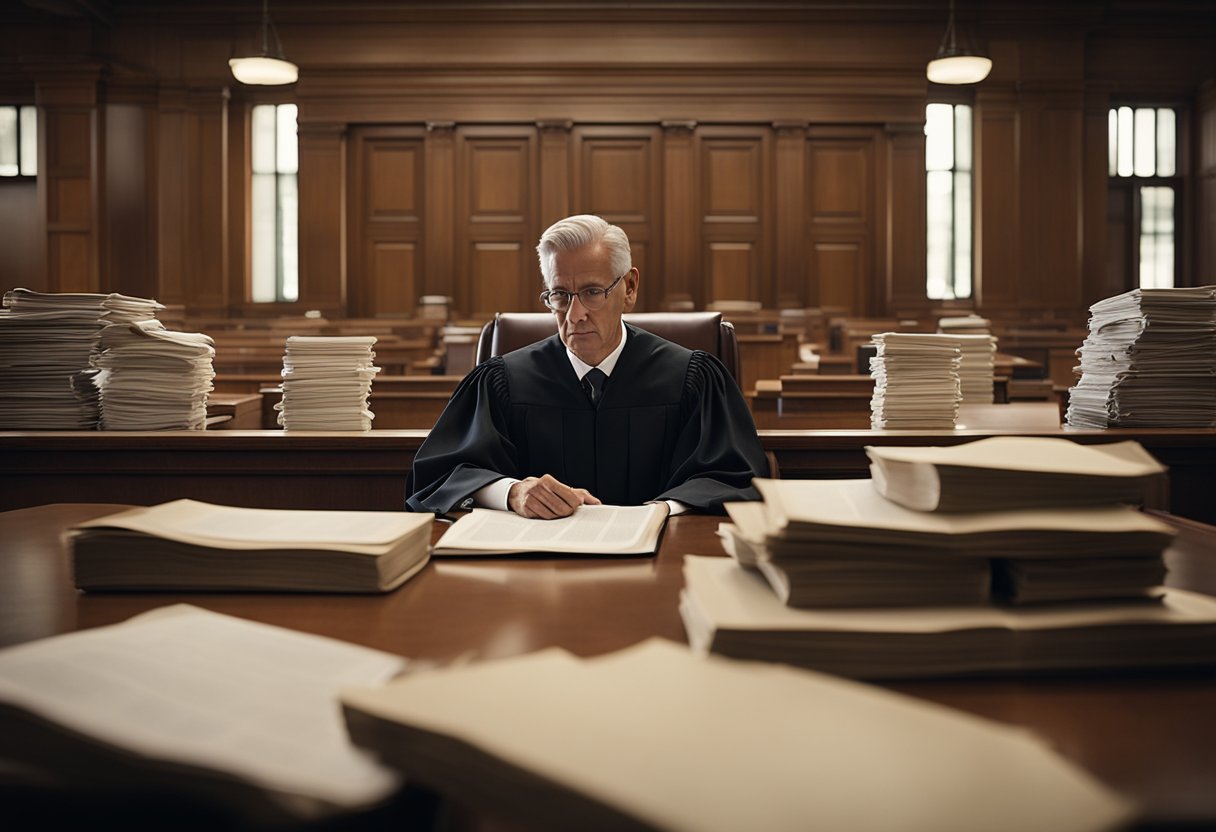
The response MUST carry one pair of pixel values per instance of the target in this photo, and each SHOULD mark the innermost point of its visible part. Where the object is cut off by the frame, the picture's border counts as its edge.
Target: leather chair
(704, 331)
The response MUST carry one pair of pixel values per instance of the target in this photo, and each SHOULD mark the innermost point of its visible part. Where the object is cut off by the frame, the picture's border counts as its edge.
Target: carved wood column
(554, 171)
(323, 216)
(70, 178)
(792, 288)
(206, 264)
(905, 266)
(682, 279)
(440, 254)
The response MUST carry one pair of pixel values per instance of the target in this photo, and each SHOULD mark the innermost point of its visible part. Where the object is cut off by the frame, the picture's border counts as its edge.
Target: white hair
(579, 231)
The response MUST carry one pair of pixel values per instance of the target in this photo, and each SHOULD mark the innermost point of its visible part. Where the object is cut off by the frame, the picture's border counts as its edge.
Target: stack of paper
(733, 612)
(188, 545)
(1149, 361)
(916, 383)
(152, 378)
(841, 543)
(654, 737)
(46, 342)
(975, 369)
(1009, 472)
(326, 383)
(986, 556)
(211, 714)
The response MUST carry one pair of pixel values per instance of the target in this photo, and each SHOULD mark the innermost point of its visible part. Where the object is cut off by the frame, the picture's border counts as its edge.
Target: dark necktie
(593, 384)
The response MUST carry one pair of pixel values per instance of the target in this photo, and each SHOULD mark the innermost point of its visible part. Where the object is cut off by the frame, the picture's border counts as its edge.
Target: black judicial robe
(671, 424)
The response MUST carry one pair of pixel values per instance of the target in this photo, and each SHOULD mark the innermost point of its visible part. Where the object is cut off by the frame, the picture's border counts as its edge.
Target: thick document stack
(733, 611)
(152, 378)
(841, 543)
(326, 383)
(654, 737)
(46, 342)
(915, 572)
(592, 530)
(916, 383)
(1009, 472)
(1149, 361)
(976, 367)
(209, 713)
(188, 545)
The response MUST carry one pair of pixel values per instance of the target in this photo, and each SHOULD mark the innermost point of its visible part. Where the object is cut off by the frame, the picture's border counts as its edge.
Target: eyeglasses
(592, 298)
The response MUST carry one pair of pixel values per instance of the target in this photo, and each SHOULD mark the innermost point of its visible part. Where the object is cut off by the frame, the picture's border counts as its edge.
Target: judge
(601, 412)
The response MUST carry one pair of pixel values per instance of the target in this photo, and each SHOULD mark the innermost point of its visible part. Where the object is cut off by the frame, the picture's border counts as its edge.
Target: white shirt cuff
(495, 494)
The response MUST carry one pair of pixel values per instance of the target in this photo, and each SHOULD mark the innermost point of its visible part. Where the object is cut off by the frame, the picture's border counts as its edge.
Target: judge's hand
(547, 498)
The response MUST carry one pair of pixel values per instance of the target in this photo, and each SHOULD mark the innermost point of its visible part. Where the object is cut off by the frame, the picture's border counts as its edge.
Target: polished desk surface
(1151, 736)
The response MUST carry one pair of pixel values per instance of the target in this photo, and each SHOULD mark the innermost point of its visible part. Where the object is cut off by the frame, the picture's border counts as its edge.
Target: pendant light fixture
(958, 59)
(266, 68)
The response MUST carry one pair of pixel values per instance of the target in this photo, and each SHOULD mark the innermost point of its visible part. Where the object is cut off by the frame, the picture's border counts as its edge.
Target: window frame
(1128, 191)
(244, 99)
(954, 97)
(20, 177)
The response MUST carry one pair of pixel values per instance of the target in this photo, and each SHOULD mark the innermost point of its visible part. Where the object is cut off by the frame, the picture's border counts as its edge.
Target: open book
(1009, 472)
(654, 737)
(188, 545)
(202, 710)
(591, 530)
(732, 611)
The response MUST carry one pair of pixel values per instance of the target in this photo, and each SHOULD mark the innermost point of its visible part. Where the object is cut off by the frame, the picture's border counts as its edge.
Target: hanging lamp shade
(959, 60)
(267, 67)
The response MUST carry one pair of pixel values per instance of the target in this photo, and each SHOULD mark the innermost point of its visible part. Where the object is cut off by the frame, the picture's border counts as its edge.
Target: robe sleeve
(469, 447)
(717, 451)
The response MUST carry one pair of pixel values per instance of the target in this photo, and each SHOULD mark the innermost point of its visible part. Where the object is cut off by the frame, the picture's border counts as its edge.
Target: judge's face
(592, 334)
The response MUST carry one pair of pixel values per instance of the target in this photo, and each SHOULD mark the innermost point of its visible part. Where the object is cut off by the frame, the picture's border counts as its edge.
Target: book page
(185, 684)
(590, 530)
(710, 744)
(191, 521)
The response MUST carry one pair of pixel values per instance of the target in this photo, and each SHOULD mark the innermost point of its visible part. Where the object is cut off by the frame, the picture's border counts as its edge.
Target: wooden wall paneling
(555, 171)
(1051, 152)
(171, 196)
(842, 269)
(389, 200)
(128, 253)
(71, 135)
(617, 176)
(840, 217)
(905, 222)
(998, 249)
(1096, 282)
(795, 286)
(322, 224)
(735, 166)
(206, 144)
(439, 257)
(497, 219)
(681, 256)
(240, 200)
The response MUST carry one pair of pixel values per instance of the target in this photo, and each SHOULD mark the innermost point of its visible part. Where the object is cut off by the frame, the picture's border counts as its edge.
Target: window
(275, 204)
(18, 141)
(1143, 169)
(948, 172)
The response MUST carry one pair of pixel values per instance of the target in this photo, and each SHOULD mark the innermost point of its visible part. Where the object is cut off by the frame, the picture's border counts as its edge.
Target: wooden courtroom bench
(284, 469)
(813, 402)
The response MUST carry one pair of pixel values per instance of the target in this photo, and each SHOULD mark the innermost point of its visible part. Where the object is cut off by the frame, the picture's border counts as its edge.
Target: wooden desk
(1148, 735)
